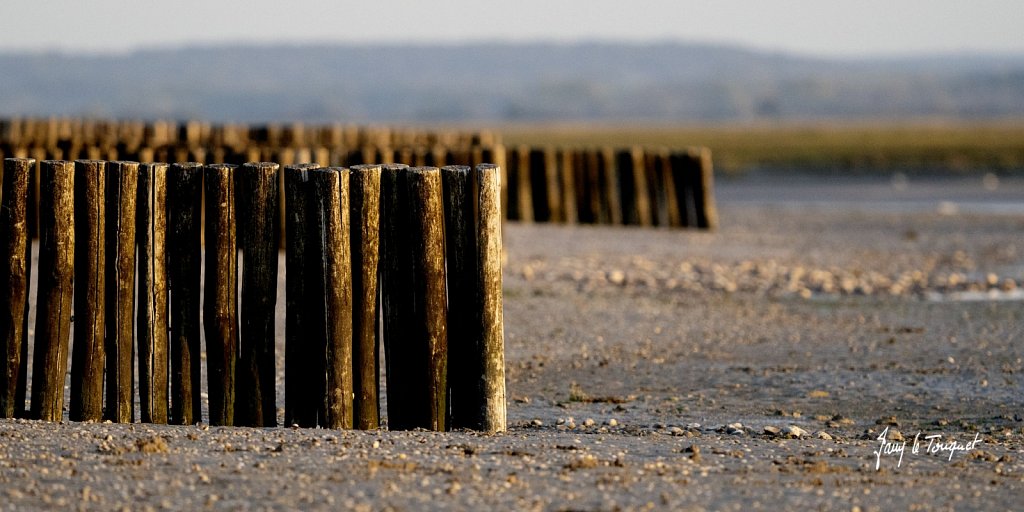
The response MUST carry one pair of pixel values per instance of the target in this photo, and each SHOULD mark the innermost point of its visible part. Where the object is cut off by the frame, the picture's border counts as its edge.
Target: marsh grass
(853, 147)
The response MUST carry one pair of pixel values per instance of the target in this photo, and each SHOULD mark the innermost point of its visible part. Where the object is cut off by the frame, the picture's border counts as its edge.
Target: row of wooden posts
(127, 137)
(587, 185)
(407, 256)
(630, 186)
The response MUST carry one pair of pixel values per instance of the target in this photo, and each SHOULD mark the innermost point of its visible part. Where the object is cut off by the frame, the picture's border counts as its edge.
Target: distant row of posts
(640, 186)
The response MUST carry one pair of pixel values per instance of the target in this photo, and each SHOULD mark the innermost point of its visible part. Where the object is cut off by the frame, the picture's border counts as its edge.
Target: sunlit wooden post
(220, 304)
(14, 278)
(87, 358)
(122, 193)
(151, 232)
(364, 200)
(53, 317)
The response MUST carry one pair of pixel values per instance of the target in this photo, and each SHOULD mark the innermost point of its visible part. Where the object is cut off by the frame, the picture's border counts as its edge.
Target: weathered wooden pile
(630, 186)
(121, 256)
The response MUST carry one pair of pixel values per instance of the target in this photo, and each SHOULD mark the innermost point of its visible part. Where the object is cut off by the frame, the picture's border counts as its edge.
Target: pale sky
(833, 28)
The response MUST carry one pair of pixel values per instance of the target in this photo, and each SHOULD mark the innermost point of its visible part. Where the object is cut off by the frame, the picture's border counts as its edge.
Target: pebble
(612, 422)
(772, 278)
(617, 277)
(589, 422)
(794, 431)
(821, 434)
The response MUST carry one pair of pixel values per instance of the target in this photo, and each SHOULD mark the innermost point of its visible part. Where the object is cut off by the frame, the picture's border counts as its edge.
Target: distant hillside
(505, 82)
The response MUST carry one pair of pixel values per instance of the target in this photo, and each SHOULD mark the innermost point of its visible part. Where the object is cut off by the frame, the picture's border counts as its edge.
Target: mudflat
(808, 354)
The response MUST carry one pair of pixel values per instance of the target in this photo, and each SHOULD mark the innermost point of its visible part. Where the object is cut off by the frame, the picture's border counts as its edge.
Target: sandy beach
(754, 367)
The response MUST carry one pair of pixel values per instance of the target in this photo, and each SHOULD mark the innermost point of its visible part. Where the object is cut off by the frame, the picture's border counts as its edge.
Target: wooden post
(636, 209)
(152, 313)
(396, 303)
(681, 167)
(122, 192)
(495, 154)
(32, 211)
(476, 345)
(567, 182)
(524, 188)
(184, 210)
(464, 369)
(333, 285)
(256, 200)
(53, 318)
(488, 298)
(14, 268)
(429, 295)
(87, 357)
(704, 194)
(612, 203)
(303, 389)
(592, 185)
(220, 304)
(364, 198)
(658, 186)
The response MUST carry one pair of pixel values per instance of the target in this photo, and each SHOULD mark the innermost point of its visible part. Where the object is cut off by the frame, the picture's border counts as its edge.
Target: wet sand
(656, 369)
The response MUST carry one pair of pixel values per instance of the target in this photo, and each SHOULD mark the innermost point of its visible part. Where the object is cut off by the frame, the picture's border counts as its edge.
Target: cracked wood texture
(303, 389)
(257, 206)
(429, 340)
(56, 279)
(151, 219)
(333, 285)
(184, 221)
(220, 305)
(14, 278)
(88, 354)
(121, 195)
(364, 199)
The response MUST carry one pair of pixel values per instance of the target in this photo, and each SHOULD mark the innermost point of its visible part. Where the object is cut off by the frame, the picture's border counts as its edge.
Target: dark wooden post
(364, 198)
(593, 188)
(612, 203)
(333, 267)
(658, 186)
(122, 192)
(636, 209)
(464, 368)
(547, 204)
(53, 318)
(476, 347)
(151, 222)
(87, 357)
(14, 268)
(220, 303)
(524, 188)
(429, 295)
(396, 302)
(681, 166)
(184, 238)
(567, 183)
(303, 389)
(256, 200)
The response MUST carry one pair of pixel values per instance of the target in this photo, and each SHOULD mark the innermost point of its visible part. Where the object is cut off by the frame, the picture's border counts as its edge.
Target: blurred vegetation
(851, 147)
